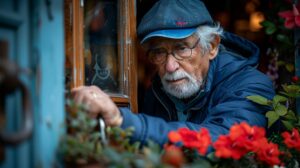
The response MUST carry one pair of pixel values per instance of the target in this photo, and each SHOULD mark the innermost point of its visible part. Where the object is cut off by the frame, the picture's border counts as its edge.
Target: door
(31, 105)
(14, 49)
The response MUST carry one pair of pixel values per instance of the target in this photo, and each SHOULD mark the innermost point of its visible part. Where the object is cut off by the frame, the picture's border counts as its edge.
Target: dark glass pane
(102, 63)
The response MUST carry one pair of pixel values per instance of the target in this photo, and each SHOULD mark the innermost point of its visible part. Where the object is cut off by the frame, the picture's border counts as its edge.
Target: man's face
(182, 78)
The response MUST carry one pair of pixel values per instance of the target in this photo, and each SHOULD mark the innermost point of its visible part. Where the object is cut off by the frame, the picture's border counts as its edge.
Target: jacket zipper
(169, 114)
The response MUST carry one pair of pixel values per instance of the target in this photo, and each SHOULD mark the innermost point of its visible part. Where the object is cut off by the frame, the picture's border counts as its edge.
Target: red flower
(189, 137)
(268, 153)
(246, 136)
(292, 17)
(173, 156)
(295, 79)
(227, 148)
(174, 136)
(292, 140)
(205, 140)
(242, 138)
(192, 139)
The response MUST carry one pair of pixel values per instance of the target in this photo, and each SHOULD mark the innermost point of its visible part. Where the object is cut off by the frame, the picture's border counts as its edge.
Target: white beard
(182, 91)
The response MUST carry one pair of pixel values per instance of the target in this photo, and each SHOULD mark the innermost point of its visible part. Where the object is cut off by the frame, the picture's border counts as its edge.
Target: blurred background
(48, 47)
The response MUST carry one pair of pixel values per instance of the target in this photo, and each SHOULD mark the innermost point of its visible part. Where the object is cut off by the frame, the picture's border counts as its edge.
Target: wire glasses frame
(182, 52)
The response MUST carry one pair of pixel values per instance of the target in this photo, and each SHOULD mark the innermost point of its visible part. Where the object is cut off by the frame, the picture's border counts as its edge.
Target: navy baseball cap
(174, 19)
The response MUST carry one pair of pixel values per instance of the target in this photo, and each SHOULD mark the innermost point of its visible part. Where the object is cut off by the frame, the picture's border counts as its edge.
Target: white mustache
(176, 75)
(184, 90)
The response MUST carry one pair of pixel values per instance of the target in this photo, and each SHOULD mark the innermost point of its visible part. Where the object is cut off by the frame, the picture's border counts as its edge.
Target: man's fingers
(81, 97)
(78, 98)
(97, 102)
(75, 90)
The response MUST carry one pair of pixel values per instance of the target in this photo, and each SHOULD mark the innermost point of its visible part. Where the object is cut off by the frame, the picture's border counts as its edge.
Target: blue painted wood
(49, 46)
(14, 30)
(36, 43)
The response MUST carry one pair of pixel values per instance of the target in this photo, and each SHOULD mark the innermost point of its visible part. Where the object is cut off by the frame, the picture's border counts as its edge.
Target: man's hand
(98, 103)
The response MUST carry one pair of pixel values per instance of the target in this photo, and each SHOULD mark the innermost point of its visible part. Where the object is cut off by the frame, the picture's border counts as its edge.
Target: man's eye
(158, 51)
(181, 48)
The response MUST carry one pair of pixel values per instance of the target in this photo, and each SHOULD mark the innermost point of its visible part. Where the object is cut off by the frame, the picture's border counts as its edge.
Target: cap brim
(171, 33)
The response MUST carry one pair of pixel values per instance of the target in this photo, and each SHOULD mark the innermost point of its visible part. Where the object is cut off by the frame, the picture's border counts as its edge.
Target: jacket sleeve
(229, 106)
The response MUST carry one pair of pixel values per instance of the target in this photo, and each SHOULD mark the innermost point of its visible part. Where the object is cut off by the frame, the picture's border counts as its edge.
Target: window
(100, 43)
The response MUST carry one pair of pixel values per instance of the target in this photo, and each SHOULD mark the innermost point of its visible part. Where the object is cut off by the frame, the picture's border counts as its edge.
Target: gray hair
(207, 34)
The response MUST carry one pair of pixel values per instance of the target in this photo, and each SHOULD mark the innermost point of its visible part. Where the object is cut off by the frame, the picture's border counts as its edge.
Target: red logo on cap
(181, 23)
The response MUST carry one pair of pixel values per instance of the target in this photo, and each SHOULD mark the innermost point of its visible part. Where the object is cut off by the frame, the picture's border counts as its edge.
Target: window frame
(74, 45)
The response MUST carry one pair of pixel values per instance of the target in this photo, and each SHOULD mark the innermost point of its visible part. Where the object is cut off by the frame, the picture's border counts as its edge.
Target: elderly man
(203, 76)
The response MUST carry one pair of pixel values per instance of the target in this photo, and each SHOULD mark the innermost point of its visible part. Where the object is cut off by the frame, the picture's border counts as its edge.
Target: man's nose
(171, 63)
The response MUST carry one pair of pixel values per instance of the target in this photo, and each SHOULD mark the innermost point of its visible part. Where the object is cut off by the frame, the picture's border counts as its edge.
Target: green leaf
(280, 109)
(298, 123)
(200, 163)
(258, 99)
(277, 99)
(95, 136)
(290, 116)
(288, 125)
(282, 37)
(290, 88)
(290, 67)
(92, 123)
(212, 157)
(272, 117)
(270, 27)
(270, 30)
(75, 123)
(291, 95)
(112, 154)
(267, 23)
(280, 63)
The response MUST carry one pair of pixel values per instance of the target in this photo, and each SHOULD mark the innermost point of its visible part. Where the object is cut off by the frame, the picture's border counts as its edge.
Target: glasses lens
(182, 52)
(157, 55)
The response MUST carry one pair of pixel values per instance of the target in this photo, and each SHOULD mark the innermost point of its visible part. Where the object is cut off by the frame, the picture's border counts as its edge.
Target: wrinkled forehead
(161, 41)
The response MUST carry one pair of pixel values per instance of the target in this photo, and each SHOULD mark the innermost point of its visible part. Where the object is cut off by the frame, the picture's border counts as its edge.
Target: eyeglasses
(180, 52)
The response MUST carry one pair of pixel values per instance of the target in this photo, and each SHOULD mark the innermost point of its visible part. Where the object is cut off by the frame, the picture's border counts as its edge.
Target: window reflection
(101, 56)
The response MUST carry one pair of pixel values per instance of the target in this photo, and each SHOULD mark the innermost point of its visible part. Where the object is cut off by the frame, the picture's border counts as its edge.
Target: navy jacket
(232, 76)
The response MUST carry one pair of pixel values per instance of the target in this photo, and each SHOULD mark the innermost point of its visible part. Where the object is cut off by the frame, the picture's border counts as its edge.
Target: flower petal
(286, 14)
(289, 23)
(174, 136)
(295, 10)
(297, 20)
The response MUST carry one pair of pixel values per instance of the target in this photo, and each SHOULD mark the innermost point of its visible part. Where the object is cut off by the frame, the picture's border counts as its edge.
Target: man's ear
(214, 47)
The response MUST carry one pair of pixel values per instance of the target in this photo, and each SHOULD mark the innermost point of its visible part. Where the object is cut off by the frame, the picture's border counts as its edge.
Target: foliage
(280, 34)
(83, 146)
(282, 19)
(244, 146)
(281, 107)
(282, 113)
